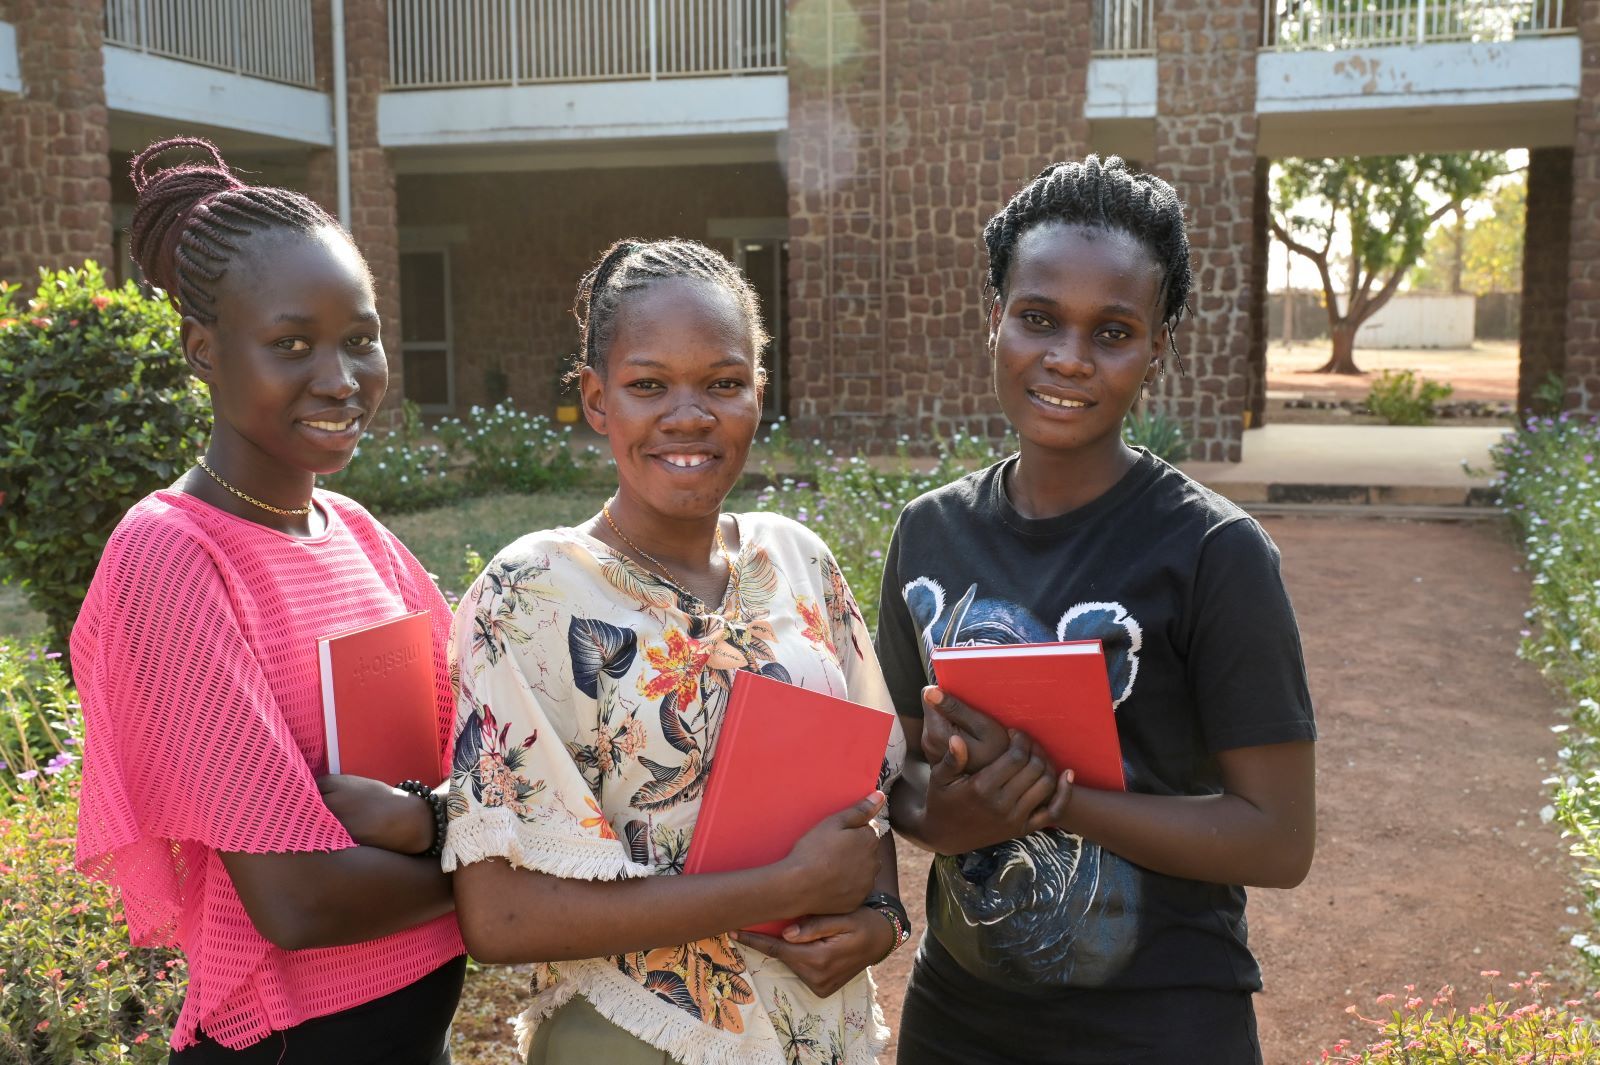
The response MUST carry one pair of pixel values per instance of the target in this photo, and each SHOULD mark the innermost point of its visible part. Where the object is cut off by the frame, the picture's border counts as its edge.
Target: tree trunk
(1458, 240)
(1343, 359)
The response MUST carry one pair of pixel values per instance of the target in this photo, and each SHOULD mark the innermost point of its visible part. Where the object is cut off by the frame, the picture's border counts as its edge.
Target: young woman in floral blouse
(595, 666)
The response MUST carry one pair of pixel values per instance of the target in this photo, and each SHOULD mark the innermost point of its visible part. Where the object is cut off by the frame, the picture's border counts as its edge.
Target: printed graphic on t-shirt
(1053, 907)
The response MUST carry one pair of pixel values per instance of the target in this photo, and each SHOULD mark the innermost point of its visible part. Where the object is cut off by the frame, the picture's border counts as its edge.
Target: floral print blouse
(591, 695)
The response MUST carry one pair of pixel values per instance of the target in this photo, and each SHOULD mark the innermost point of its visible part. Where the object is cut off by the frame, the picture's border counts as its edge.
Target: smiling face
(294, 360)
(678, 399)
(1076, 333)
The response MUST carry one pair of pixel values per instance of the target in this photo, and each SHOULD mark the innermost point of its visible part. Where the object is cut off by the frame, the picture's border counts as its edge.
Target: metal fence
(1124, 27)
(269, 39)
(439, 43)
(1296, 25)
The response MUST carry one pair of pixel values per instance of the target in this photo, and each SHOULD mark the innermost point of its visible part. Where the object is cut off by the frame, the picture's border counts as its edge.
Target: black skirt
(410, 1026)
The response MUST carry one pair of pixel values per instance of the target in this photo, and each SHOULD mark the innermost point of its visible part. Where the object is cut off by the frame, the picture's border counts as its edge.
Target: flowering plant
(1550, 485)
(1433, 1030)
(72, 988)
(854, 501)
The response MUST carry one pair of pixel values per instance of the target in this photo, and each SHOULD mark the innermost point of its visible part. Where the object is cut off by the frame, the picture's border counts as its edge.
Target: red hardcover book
(379, 704)
(1057, 693)
(785, 758)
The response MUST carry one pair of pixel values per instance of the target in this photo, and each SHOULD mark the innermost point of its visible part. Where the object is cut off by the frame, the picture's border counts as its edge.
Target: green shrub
(854, 502)
(494, 449)
(396, 472)
(1400, 397)
(1157, 432)
(508, 450)
(1433, 1030)
(1550, 486)
(72, 988)
(100, 410)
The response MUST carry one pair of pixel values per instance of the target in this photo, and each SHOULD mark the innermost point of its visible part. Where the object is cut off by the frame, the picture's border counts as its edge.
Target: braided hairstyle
(192, 220)
(1101, 194)
(630, 265)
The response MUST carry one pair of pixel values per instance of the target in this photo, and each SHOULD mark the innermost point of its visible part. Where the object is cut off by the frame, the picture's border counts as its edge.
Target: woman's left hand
(828, 952)
(377, 815)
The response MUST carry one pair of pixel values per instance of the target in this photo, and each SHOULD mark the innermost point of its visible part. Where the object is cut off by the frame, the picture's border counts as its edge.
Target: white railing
(270, 39)
(446, 43)
(1124, 27)
(1295, 25)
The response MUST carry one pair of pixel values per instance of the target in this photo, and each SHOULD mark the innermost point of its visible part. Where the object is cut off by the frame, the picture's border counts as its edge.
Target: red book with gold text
(785, 758)
(1057, 693)
(379, 702)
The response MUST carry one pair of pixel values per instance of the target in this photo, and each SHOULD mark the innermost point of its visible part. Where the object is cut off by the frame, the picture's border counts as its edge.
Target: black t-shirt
(1204, 655)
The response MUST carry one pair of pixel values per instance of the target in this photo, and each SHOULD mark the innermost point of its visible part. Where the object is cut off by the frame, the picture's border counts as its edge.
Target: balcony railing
(451, 43)
(1124, 28)
(1297, 25)
(269, 39)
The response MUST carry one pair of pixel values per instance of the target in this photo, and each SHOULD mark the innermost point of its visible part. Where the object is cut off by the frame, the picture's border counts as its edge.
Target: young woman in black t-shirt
(1071, 925)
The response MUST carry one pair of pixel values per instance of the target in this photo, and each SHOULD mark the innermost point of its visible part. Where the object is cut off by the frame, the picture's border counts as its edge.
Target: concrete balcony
(242, 66)
(498, 73)
(1375, 77)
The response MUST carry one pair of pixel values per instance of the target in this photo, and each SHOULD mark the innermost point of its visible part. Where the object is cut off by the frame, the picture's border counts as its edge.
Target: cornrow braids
(630, 265)
(191, 220)
(1102, 194)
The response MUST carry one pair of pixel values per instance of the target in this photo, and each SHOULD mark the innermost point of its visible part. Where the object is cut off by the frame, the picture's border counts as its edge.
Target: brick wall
(1206, 147)
(896, 158)
(528, 237)
(55, 199)
(1547, 237)
(1583, 279)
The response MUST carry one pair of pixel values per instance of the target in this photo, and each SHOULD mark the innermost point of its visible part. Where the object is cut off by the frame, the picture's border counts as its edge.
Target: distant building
(845, 152)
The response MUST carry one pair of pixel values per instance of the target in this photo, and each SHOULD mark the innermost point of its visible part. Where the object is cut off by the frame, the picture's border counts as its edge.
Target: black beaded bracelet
(435, 804)
(893, 911)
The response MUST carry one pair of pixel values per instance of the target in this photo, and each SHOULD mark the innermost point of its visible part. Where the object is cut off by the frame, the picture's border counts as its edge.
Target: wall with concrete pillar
(1582, 370)
(1546, 242)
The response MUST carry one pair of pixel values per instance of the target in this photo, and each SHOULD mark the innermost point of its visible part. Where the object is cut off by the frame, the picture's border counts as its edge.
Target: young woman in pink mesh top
(316, 924)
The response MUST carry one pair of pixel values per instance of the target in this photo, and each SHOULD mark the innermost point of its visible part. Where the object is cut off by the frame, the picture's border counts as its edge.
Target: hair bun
(201, 177)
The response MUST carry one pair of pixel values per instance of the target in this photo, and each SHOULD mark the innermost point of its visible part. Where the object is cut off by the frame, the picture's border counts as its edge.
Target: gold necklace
(294, 512)
(722, 549)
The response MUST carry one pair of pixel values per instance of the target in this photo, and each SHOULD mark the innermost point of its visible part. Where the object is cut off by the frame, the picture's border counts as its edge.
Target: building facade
(845, 153)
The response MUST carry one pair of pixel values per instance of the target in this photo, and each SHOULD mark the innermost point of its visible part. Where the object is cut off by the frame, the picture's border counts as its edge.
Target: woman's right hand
(964, 810)
(834, 866)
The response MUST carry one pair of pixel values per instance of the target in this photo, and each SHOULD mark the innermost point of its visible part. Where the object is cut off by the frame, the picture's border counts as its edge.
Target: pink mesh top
(196, 662)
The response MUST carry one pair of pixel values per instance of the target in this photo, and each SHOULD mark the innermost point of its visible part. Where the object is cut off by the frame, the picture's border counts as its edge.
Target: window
(427, 364)
(765, 261)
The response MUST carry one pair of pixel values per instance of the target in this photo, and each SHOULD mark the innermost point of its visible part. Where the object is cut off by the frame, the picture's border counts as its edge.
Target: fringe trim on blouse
(622, 1001)
(496, 832)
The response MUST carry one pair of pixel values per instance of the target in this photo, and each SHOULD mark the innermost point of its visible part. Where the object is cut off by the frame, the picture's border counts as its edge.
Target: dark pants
(949, 1021)
(410, 1026)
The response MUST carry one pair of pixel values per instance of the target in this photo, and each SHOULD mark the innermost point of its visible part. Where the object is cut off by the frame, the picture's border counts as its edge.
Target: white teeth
(1056, 401)
(686, 462)
(332, 427)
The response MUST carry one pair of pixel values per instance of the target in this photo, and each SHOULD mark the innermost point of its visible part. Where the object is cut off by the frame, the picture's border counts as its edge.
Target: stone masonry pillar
(374, 219)
(1547, 237)
(55, 192)
(1260, 244)
(1582, 370)
(898, 152)
(1206, 147)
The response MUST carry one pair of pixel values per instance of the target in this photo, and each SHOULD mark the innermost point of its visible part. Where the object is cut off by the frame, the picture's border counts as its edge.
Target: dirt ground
(1432, 861)
(1485, 371)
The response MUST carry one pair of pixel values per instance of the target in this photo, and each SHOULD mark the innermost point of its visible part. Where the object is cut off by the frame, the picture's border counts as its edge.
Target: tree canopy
(1384, 205)
(1480, 256)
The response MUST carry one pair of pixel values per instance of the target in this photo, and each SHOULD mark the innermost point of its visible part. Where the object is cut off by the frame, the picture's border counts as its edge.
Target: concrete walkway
(1378, 464)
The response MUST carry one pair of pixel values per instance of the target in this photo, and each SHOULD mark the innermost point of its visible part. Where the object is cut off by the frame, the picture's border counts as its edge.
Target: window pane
(422, 297)
(427, 377)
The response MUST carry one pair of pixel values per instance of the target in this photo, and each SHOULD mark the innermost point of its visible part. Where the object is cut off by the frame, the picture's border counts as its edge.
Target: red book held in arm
(1057, 693)
(379, 703)
(785, 758)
